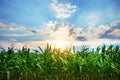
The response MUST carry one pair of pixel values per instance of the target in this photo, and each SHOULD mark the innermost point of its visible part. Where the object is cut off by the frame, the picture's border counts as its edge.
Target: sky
(73, 22)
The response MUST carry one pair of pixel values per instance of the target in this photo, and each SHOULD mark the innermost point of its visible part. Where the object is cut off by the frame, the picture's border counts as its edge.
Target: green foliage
(57, 64)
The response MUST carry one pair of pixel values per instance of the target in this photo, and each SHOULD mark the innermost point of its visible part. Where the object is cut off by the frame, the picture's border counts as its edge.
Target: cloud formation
(113, 32)
(20, 33)
(108, 31)
(10, 27)
(64, 31)
(16, 28)
(116, 33)
(17, 35)
(53, 30)
(63, 10)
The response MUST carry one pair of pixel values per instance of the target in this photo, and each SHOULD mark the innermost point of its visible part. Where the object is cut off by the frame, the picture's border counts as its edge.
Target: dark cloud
(33, 31)
(81, 38)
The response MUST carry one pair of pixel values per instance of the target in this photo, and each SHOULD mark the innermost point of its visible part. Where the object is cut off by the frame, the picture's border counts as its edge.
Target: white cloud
(115, 33)
(65, 31)
(9, 27)
(15, 34)
(52, 24)
(55, 1)
(13, 40)
(60, 31)
(115, 23)
(110, 31)
(14, 27)
(53, 30)
(68, 32)
(63, 10)
(103, 31)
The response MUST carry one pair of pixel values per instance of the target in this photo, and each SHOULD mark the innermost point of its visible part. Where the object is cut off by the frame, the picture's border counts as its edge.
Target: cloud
(113, 32)
(53, 30)
(80, 38)
(63, 10)
(16, 28)
(9, 27)
(68, 32)
(108, 31)
(20, 33)
(64, 31)
(116, 33)
(98, 42)
(60, 31)
(14, 34)
(55, 1)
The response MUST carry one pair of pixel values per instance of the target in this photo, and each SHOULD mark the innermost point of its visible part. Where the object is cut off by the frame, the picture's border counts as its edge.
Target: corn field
(102, 63)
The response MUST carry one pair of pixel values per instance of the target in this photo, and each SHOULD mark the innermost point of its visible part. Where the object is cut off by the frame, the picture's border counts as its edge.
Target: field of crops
(102, 63)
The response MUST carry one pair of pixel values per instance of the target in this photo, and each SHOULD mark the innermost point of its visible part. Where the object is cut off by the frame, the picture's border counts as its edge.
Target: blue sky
(79, 22)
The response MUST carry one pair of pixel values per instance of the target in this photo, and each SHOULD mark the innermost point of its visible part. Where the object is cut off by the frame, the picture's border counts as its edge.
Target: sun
(59, 43)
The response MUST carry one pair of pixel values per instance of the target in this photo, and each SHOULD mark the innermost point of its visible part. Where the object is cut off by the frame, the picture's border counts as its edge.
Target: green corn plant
(103, 49)
(57, 64)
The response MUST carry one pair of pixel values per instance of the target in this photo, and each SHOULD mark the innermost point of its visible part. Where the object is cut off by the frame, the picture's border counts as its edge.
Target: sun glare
(59, 44)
